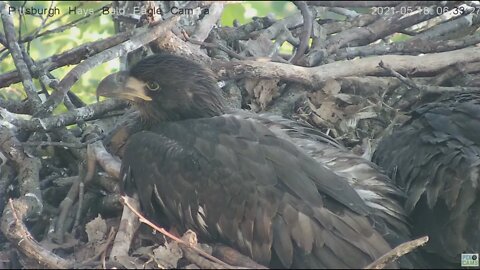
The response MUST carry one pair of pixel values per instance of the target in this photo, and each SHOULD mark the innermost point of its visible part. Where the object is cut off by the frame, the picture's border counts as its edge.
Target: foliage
(95, 28)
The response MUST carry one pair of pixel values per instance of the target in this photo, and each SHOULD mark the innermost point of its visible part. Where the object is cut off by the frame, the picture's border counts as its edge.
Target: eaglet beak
(120, 85)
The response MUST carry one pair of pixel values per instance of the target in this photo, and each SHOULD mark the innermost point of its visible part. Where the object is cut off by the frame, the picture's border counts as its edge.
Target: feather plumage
(436, 159)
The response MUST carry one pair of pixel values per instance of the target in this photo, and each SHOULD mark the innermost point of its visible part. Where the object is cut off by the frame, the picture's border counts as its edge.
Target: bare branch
(14, 229)
(71, 117)
(33, 99)
(171, 236)
(204, 27)
(314, 76)
(28, 167)
(397, 252)
(385, 25)
(412, 46)
(109, 163)
(129, 224)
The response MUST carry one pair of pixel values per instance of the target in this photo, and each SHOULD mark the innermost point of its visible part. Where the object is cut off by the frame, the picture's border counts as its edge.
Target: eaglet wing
(435, 156)
(233, 180)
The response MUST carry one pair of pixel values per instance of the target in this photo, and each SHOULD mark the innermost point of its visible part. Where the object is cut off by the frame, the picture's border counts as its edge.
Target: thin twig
(171, 236)
(42, 25)
(397, 252)
(409, 82)
(422, 88)
(104, 247)
(64, 27)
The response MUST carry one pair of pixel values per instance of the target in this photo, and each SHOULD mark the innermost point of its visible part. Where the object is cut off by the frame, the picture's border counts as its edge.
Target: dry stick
(28, 168)
(171, 236)
(407, 81)
(314, 76)
(91, 166)
(191, 238)
(397, 252)
(88, 112)
(413, 46)
(382, 27)
(422, 88)
(203, 28)
(128, 226)
(77, 189)
(109, 163)
(14, 229)
(65, 207)
(81, 194)
(104, 247)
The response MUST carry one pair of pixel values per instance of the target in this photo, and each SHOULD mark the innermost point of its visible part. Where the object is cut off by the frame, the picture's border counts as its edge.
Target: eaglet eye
(153, 86)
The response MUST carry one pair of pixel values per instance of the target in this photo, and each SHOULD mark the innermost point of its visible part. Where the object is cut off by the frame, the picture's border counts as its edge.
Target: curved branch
(306, 32)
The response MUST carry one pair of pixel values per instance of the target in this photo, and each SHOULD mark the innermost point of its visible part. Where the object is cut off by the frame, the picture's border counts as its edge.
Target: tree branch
(314, 76)
(33, 99)
(71, 117)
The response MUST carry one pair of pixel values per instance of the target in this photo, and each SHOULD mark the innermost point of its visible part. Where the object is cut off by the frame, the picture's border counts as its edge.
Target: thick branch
(413, 46)
(129, 224)
(366, 66)
(208, 22)
(30, 203)
(384, 26)
(28, 167)
(14, 229)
